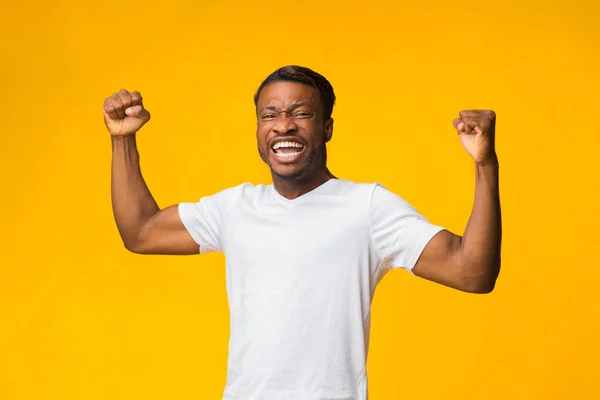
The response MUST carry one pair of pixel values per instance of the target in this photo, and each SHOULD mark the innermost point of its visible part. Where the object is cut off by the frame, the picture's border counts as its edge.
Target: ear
(328, 130)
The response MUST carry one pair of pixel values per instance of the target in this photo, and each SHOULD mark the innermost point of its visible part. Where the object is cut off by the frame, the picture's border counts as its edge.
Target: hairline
(260, 90)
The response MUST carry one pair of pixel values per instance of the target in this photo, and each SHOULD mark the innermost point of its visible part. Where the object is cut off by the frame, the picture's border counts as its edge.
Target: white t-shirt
(300, 278)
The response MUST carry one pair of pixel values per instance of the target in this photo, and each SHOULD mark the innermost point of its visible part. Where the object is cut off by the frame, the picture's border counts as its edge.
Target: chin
(289, 173)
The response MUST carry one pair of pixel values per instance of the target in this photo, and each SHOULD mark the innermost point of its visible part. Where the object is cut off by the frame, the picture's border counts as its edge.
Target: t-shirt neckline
(303, 196)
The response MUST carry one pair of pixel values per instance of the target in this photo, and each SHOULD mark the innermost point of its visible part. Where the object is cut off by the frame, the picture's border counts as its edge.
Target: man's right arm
(144, 227)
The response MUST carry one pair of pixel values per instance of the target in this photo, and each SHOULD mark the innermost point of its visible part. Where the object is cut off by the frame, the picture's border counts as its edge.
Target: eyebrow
(292, 107)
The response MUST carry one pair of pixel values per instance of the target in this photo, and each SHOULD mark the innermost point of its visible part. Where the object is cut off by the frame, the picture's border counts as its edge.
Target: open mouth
(287, 151)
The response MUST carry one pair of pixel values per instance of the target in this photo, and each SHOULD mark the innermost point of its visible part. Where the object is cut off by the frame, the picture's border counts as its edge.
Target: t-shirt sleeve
(204, 219)
(398, 231)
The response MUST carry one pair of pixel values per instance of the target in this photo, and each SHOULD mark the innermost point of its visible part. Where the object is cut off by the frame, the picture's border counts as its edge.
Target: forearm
(133, 204)
(481, 242)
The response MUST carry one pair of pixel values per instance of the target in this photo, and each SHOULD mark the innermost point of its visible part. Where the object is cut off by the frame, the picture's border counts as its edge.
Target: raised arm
(472, 262)
(144, 227)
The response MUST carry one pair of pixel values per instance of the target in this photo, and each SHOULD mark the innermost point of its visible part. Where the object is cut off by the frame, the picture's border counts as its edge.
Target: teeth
(287, 154)
(287, 144)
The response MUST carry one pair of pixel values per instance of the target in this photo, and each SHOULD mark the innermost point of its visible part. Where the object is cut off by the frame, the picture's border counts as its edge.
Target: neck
(293, 189)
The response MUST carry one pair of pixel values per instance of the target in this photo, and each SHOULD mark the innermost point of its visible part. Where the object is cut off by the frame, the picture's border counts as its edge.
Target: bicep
(165, 233)
(440, 260)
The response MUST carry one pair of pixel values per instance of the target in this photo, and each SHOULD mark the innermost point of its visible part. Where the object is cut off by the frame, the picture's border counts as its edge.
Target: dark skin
(293, 111)
(289, 111)
(470, 263)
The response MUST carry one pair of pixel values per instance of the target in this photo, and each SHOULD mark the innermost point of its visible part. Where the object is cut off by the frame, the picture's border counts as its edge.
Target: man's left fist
(476, 129)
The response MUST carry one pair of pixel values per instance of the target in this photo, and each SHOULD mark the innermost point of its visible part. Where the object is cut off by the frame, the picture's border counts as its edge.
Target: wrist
(486, 173)
(488, 162)
(123, 141)
(129, 136)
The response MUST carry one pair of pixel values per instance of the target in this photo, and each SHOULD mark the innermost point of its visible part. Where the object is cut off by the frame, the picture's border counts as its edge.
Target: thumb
(139, 112)
(459, 125)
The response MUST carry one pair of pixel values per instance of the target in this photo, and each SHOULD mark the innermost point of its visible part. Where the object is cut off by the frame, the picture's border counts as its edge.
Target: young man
(305, 254)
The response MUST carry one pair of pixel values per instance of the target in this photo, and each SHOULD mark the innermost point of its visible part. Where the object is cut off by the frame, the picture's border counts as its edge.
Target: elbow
(134, 246)
(483, 284)
(131, 247)
(481, 287)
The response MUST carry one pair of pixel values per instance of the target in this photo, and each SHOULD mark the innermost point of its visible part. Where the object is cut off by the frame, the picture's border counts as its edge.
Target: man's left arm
(472, 262)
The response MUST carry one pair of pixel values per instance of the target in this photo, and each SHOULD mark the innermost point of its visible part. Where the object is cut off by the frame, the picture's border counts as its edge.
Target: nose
(284, 125)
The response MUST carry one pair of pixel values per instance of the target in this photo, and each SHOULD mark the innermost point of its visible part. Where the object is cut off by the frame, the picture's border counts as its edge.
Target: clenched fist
(124, 113)
(477, 129)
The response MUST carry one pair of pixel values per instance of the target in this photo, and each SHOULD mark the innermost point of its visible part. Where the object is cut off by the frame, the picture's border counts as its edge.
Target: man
(305, 254)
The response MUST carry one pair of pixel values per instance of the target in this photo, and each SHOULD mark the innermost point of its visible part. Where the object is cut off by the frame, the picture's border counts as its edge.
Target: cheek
(314, 133)
(261, 137)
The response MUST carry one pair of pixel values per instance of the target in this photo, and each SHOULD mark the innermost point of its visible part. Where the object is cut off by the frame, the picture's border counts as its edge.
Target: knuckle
(136, 96)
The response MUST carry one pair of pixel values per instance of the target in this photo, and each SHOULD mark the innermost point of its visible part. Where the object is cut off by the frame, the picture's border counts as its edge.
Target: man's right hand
(124, 113)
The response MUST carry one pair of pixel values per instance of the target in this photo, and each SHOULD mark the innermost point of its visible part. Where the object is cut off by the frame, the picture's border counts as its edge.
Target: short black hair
(295, 73)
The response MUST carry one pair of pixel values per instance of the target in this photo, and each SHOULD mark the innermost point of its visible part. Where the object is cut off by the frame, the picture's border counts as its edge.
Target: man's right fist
(124, 113)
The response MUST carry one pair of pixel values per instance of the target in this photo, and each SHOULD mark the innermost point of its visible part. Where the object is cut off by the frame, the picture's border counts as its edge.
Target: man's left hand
(477, 129)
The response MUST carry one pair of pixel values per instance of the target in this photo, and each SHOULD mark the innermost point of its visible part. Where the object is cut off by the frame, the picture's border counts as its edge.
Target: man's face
(290, 130)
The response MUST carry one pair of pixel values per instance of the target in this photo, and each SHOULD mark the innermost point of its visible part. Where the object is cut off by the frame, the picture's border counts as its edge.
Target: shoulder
(242, 190)
(346, 187)
(247, 192)
(381, 197)
(369, 191)
(223, 198)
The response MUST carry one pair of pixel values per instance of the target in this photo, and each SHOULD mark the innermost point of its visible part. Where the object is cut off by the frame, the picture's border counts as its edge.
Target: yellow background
(81, 318)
